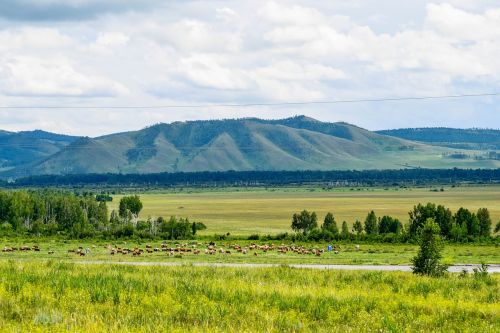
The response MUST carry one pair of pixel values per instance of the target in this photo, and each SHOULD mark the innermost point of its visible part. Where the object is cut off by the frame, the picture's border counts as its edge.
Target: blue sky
(84, 53)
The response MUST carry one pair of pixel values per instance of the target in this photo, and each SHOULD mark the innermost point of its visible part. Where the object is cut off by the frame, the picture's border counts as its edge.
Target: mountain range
(298, 143)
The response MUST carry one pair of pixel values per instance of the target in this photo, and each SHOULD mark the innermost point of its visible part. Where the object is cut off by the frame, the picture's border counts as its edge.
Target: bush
(320, 235)
(427, 261)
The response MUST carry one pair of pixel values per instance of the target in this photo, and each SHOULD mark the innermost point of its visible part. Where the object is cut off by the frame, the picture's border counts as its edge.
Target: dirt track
(396, 268)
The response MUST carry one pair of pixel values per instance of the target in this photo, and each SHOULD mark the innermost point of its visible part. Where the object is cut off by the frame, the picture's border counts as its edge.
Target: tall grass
(53, 296)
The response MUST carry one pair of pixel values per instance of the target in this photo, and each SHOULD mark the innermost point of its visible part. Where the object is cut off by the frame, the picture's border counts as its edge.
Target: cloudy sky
(164, 53)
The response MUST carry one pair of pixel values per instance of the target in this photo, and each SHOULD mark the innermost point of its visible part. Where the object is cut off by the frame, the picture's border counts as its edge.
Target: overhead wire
(340, 101)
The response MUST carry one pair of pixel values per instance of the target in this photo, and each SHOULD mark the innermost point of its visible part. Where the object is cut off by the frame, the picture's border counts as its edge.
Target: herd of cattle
(193, 248)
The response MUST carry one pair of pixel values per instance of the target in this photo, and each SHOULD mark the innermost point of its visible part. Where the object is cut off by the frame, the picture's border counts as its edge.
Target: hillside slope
(298, 143)
(21, 148)
(481, 139)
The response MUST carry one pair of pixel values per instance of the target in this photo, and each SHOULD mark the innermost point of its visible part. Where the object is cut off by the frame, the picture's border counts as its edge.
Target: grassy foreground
(247, 211)
(52, 297)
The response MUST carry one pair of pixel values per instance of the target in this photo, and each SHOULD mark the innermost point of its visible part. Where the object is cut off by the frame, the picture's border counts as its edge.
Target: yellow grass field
(247, 211)
(62, 297)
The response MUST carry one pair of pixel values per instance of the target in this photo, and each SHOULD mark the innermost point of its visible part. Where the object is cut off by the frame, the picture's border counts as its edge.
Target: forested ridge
(473, 138)
(266, 178)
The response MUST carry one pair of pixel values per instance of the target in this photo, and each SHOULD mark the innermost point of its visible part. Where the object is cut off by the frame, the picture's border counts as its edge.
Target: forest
(417, 176)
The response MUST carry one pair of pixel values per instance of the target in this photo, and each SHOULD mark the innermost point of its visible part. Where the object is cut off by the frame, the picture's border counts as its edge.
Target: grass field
(243, 212)
(373, 254)
(56, 297)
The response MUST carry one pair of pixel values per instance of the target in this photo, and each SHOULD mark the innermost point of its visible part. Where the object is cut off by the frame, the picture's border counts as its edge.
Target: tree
(497, 227)
(304, 221)
(357, 227)
(389, 224)
(114, 219)
(419, 215)
(103, 197)
(130, 203)
(345, 234)
(458, 232)
(176, 229)
(473, 227)
(464, 217)
(197, 226)
(371, 227)
(440, 214)
(427, 261)
(444, 218)
(330, 224)
(484, 218)
(102, 214)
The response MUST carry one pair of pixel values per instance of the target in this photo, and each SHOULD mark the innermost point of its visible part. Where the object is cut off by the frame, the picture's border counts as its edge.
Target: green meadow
(49, 296)
(263, 211)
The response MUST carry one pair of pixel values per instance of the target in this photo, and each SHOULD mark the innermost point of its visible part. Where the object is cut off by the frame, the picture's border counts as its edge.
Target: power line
(366, 100)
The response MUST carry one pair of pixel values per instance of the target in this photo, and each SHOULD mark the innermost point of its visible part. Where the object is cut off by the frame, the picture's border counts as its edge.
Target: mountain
(29, 147)
(298, 143)
(481, 139)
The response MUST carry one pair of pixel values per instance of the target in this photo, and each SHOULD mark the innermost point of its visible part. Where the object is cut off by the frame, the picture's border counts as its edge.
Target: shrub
(427, 261)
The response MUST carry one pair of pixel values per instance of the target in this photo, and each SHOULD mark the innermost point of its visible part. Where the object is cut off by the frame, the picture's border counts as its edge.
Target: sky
(140, 54)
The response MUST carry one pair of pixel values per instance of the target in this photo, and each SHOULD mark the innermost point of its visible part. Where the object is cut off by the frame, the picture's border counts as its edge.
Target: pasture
(53, 296)
(363, 254)
(269, 211)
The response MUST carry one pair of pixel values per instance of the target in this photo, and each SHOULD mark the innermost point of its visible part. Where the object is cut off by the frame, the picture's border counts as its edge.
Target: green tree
(304, 221)
(427, 261)
(444, 218)
(114, 218)
(330, 224)
(371, 227)
(464, 217)
(345, 234)
(419, 215)
(389, 224)
(484, 218)
(440, 214)
(176, 228)
(473, 227)
(132, 204)
(102, 214)
(458, 232)
(358, 227)
(195, 226)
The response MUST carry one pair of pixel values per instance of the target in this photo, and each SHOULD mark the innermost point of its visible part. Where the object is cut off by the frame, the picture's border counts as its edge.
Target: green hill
(480, 139)
(22, 148)
(297, 143)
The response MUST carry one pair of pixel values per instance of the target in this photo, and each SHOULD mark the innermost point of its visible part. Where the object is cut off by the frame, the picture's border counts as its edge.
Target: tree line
(462, 225)
(52, 213)
(417, 176)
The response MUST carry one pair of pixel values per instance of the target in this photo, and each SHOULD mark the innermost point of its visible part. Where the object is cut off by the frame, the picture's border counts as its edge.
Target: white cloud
(225, 13)
(188, 35)
(205, 70)
(297, 15)
(462, 25)
(291, 71)
(30, 76)
(187, 52)
(33, 37)
(112, 39)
